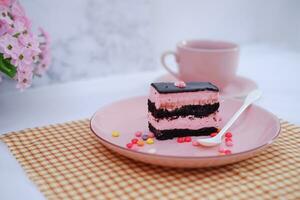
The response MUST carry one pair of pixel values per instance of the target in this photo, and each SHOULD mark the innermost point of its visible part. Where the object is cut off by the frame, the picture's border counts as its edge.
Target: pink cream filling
(185, 122)
(172, 101)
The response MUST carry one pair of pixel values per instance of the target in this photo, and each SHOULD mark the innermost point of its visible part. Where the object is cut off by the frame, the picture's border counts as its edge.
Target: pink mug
(205, 60)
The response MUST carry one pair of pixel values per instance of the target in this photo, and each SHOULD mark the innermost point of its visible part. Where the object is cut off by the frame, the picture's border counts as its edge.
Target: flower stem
(6, 67)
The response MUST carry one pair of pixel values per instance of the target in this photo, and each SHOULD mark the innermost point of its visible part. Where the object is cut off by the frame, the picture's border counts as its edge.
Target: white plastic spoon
(251, 97)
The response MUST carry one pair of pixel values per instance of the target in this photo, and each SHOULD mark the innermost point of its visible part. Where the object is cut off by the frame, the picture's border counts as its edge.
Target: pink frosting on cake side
(172, 101)
(185, 122)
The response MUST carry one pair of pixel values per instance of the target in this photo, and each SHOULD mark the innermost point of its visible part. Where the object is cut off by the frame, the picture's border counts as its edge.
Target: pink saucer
(253, 132)
(238, 88)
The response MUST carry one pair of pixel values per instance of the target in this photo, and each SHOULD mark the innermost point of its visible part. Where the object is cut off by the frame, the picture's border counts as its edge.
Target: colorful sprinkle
(187, 139)
(144, 136)
(195, 143)
(140, 143)
(180, 84)
(213, 134)
(134, 141)
(228, 135)
(228, 139)
(180, 140)
(115, 133)
(227, 152)
(150, 141)
(138, 134)
(129, 145)
(150, 135)
(229, 143)
(218, 130)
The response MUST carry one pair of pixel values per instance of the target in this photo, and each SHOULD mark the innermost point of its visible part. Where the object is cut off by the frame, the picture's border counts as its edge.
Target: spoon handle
(233, 118)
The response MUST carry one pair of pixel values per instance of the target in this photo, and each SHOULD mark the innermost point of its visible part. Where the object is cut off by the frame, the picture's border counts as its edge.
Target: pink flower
(25, 21)
(24, 58)
(25, 39)
(24, 76)
(4, 15)
(9, 46)
(44, 62)
(45, 35)
(25, 69)
(45, 55)
(5, 3)
(19, 14)
(26, 52)
(42, 67)
(18, 27)
(4, 27)
(30, 41)
(17, 9)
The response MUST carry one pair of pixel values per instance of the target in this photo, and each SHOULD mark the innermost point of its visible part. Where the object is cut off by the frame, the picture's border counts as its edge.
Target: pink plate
(238, 88)
(253, 132)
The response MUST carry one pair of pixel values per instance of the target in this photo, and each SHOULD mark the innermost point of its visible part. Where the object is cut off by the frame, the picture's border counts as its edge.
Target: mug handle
(163, 62)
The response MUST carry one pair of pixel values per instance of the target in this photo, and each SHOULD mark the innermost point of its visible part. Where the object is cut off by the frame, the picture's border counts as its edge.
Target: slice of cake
(179, 109)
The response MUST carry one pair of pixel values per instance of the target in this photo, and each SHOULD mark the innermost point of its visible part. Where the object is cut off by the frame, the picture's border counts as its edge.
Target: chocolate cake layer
(165, 87)
(195, 110)
(172, 133)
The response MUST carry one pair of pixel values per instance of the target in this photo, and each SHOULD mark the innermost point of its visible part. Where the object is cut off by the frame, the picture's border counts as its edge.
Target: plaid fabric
(67, 162)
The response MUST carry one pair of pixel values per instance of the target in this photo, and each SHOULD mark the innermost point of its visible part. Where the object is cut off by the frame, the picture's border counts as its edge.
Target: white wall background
(95, 38)
(270, 22)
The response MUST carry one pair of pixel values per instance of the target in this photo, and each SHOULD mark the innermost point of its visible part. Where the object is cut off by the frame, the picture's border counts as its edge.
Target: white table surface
(277, 74)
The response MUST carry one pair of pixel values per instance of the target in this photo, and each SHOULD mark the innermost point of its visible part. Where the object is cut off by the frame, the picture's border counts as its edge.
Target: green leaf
(6, 67)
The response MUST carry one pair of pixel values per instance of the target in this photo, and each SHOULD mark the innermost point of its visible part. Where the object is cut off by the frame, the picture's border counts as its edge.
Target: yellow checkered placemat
(66, 161)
